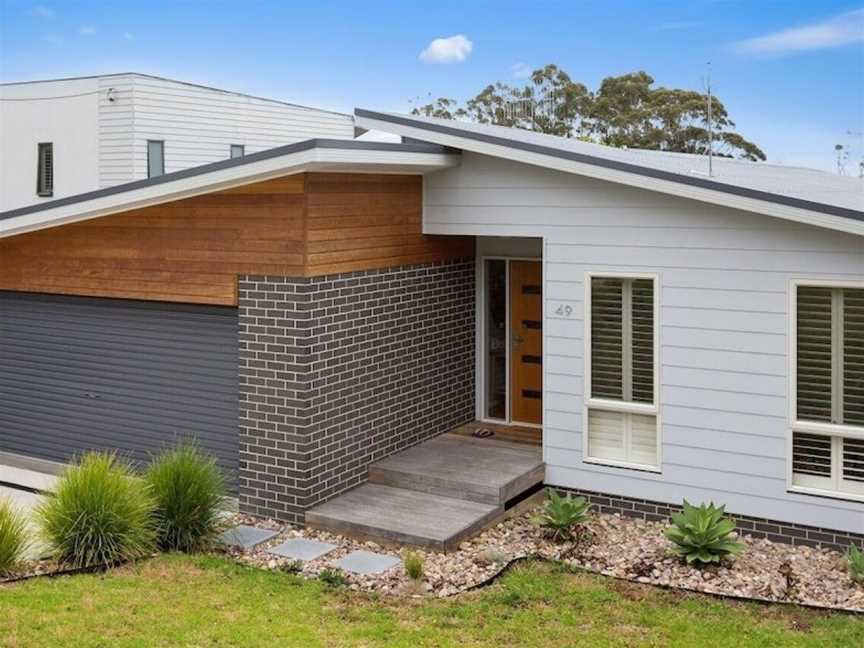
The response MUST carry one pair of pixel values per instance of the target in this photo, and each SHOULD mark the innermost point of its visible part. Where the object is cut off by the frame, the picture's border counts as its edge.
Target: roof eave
(701, 189)
(330, 158)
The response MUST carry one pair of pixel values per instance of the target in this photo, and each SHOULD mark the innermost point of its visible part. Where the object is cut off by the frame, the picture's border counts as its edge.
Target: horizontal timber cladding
(192, 250)
(341, 370)
(79, 374)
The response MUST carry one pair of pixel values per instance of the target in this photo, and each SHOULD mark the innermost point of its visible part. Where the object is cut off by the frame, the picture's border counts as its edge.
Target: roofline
(186, 83)
(615, 165)
(252, 158)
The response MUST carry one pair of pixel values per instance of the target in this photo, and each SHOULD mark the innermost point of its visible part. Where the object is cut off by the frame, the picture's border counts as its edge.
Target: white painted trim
(725, 199)
(620, 406)
(832, 430)
(317, 159)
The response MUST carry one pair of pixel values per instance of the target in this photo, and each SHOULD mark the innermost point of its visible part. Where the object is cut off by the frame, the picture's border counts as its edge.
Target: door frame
(482, 338)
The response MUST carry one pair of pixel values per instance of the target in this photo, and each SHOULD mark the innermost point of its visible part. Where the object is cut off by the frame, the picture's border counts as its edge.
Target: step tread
(402, 515)
(465, 460)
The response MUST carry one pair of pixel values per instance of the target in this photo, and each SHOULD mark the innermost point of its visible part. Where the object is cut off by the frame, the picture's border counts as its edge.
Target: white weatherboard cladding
(198, 125)
(724, 279)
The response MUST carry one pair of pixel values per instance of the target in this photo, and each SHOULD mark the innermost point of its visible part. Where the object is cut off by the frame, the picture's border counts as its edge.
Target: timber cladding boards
(192, 250)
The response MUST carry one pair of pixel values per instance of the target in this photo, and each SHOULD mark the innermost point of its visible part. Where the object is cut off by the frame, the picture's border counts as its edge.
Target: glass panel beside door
(513, 341)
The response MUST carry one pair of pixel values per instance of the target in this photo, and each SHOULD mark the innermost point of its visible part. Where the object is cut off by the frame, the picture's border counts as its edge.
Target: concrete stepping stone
(246, 537)
(302, 549)
(367, 562)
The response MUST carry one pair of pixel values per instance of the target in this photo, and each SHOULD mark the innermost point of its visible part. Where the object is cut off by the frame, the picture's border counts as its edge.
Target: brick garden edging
(774, 530)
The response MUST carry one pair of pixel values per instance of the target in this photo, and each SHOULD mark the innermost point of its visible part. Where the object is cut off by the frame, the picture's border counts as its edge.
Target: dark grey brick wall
(339, 371)
(794, 534)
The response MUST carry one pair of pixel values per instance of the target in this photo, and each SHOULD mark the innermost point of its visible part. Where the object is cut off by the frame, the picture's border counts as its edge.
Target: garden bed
(612, 545)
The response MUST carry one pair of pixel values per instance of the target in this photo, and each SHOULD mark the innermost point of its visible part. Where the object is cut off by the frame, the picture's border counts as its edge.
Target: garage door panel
(78, 374)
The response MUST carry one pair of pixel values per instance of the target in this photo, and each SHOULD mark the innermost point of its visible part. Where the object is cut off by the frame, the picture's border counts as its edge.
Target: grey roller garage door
(79, 373)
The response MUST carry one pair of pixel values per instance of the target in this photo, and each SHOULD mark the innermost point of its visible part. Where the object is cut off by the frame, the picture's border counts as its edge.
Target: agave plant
(562, 514)
(855, 564)
(702, 534)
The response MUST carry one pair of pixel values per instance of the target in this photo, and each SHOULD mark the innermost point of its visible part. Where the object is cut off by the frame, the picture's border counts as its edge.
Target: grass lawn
(209, 601)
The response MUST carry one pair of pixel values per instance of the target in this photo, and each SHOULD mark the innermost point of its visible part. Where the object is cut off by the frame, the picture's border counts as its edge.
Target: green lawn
(210, 601)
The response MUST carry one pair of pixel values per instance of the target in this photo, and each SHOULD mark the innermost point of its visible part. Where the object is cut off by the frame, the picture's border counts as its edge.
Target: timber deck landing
(436, 494)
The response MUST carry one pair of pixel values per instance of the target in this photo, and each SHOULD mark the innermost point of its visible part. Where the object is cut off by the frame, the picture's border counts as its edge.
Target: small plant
(14, 539)
(101, 514)
(855, 564)
(702, 534)
(562, 514)
(291, 567)
(413, 565)
(190, 495)
(332, 577)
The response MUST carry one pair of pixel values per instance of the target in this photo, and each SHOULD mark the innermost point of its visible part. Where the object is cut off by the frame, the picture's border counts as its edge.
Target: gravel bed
(611, 545)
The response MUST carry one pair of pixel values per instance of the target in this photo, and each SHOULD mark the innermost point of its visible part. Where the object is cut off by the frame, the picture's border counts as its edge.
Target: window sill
(611, 463)
(830, 494)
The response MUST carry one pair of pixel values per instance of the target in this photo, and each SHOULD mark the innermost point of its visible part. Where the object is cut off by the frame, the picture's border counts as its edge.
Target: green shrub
(190, 496)
(701, 534)
(101, 514)
(561, 515)
(332, 577)
(855, 564)
(14, 538)
(413, 565)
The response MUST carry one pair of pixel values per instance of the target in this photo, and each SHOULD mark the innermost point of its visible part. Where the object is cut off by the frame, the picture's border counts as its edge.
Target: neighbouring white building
(64, 137)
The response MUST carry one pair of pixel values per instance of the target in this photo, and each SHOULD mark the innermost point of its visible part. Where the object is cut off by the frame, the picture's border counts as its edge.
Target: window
(828, 430)
(621, 412)
(237, 151)
(45, 170)
(155, 158)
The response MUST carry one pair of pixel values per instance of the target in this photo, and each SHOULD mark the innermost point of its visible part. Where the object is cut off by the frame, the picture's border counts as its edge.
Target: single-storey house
(662, 332)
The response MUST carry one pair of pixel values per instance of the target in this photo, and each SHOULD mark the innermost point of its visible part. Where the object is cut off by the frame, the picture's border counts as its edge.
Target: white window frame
(626, 407)
(834, 431)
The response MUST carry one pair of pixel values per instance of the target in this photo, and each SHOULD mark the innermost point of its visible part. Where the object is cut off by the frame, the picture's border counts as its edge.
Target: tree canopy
(625, 111)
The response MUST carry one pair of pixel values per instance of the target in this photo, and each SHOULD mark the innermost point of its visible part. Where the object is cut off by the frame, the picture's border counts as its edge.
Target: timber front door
(526, 342)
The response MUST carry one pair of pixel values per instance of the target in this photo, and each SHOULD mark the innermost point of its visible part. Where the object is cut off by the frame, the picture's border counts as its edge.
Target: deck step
(455, 466)
(387, 514)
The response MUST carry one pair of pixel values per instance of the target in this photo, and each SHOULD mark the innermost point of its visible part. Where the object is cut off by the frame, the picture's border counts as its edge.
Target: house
(63, 137)
(313, 309)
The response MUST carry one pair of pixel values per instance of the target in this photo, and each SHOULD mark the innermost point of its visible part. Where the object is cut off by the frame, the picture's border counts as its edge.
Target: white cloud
(447, 50)
(844, 29)
(520, 70)
(42, 12)
(87, 30)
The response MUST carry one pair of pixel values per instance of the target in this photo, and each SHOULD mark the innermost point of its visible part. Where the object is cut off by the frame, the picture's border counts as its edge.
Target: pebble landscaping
(611, 545)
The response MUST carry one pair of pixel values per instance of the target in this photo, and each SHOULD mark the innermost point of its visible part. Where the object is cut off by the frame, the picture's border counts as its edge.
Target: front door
(526, 342)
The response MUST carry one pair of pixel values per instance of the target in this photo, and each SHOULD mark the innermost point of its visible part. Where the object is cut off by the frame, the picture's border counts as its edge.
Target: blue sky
(791, 73)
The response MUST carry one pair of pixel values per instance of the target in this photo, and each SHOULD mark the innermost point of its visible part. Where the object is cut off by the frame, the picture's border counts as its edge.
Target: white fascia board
(701, 194)
(317, 159)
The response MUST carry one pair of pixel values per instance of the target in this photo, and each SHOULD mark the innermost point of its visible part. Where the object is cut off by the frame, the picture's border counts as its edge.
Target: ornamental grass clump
(14, 538)
(413, 565)
(190, 495)
(101, 514)
(702, 534)
(855, 564)
(562, 515)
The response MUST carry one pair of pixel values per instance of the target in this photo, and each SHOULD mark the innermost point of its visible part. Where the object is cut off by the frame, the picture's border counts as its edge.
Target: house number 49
(563, 310)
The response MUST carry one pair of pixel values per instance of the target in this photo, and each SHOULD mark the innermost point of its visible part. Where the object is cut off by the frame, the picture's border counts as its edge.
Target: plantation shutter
(622, 339)
(814, 353)
(829, 387)
(622, 369)
(853, 356)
